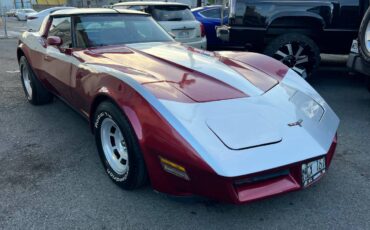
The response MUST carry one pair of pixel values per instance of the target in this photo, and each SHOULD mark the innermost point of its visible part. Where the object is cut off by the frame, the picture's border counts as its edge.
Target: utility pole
(4, 19)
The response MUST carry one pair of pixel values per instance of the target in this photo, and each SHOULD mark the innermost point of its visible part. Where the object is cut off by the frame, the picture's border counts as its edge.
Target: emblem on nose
(297, 123)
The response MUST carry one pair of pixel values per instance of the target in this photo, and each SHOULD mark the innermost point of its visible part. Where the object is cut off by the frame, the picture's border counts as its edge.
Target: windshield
(172, 13)
(113, 29)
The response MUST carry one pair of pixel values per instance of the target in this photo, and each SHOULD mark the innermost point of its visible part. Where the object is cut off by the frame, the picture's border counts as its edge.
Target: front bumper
(228, 189)
(356, 62)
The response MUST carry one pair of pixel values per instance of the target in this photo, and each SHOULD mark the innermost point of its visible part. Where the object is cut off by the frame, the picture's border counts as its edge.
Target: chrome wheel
(27, 81)
(295, 56)
(114, 146)
(367, 37)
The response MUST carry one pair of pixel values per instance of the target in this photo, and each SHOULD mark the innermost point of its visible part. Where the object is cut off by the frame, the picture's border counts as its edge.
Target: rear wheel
(118, 147)
(36, 93)
(297, 51)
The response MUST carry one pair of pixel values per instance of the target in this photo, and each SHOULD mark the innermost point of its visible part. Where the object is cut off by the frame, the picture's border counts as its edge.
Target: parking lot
(14, 27)
(51, 176)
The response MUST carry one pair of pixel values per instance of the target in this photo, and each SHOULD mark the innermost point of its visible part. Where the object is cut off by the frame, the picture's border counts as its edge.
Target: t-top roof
(149, 3)
(77, 11)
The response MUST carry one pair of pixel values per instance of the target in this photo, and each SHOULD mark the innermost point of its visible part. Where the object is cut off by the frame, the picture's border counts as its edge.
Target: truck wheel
(364, 37)
(36, 93)
(118, 147)
(297, 51)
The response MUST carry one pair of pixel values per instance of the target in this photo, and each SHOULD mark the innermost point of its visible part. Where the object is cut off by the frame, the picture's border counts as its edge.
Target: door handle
(47, 58)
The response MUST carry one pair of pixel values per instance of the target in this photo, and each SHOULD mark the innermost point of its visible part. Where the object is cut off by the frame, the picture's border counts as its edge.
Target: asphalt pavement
(51, 176)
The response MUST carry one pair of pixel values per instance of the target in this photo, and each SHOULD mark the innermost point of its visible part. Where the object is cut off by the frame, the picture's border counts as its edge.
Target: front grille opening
(261, 178)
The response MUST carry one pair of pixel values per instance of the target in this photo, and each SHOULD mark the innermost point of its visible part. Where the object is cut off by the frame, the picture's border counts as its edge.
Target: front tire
(297, 51)
(118, 147)
(35, 92)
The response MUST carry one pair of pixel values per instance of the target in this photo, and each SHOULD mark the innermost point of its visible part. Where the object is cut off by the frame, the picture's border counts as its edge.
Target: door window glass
(213, 13)
(61, 27)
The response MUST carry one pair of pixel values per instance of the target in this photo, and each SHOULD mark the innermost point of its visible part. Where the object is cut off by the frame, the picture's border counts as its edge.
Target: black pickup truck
(294, 31)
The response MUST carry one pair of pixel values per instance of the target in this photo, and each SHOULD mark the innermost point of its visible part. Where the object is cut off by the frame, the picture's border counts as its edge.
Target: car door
(57, 61)
(210, 19)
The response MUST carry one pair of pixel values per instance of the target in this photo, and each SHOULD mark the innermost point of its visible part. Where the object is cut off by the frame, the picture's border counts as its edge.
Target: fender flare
(22, 50)
(130, 114)
(288, 14)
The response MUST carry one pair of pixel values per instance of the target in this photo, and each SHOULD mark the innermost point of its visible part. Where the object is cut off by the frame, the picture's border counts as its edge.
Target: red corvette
(232, 126)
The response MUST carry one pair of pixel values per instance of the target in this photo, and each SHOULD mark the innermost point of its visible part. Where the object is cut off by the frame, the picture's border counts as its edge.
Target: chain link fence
(3, 21)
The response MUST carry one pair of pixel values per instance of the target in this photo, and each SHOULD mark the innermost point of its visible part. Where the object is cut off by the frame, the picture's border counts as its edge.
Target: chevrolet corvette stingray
(231, 126)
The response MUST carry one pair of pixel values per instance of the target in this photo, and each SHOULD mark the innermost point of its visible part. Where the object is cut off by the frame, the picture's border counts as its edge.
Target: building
(36, 4)
(17, 4)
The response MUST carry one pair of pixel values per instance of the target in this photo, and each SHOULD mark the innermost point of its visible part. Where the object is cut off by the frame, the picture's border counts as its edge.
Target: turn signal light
(174, 168)
(202, 30)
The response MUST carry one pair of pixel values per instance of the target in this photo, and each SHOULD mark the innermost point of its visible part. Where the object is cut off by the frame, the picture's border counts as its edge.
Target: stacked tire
(364, 40)
(364, 37)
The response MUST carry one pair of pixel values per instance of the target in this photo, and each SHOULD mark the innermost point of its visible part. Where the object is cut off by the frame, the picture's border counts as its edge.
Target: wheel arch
(309, 24)
(298, 17)
(126, 111)
(98, 99)
(20, 53)
(22, 50)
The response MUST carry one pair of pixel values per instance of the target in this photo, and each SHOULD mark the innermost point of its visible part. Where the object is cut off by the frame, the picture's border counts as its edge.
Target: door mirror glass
(54, 41)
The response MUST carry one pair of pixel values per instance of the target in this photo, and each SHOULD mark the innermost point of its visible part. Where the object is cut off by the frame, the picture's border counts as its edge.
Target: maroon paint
(155, 70)
(260, 80)
(263, 63)
(54, 41)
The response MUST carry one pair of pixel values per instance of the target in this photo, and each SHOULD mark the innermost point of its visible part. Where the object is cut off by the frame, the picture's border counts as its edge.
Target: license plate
(354, 47)
(183, 34)
(312, 170)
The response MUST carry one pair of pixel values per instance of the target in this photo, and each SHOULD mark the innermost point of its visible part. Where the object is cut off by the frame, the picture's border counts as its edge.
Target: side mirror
(54, 41)
(223, 33)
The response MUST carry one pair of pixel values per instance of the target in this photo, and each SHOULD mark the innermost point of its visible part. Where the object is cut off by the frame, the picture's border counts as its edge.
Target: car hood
(191, 72)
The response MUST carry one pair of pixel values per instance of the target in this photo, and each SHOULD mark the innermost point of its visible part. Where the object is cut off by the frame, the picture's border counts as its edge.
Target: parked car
(22, 14)
(233, 126)
(11, 13)
(34, 20)
(175, 18)
(210, 17)
(294, 32)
